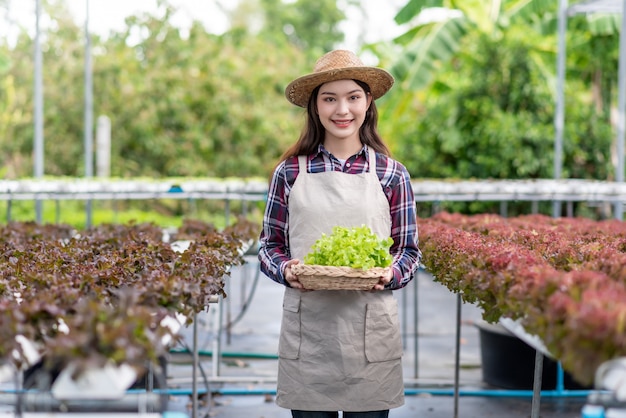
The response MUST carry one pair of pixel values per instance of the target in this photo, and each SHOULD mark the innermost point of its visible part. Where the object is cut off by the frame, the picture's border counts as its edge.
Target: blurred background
(196, 88)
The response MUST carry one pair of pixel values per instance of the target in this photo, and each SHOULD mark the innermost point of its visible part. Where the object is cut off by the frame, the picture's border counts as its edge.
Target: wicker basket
(316, 277)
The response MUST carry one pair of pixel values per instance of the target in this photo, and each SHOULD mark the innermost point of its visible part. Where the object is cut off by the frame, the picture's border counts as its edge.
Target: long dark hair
(312, 134)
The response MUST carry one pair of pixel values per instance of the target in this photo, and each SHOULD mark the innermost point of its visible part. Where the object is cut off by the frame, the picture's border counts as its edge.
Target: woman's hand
(384, 280)
(291, 278)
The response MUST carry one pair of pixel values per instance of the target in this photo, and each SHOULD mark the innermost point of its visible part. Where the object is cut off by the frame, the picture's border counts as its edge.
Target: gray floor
(242, 384)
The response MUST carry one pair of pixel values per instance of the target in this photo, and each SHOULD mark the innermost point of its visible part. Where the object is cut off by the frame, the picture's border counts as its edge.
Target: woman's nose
(342, 107)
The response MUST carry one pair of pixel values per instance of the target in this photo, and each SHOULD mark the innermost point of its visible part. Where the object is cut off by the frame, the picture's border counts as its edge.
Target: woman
(339, 350)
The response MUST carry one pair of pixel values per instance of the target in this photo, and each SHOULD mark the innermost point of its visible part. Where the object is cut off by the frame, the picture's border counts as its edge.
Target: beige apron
(339, 350)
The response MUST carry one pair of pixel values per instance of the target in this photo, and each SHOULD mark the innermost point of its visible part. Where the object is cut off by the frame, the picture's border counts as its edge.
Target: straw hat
(338, 65)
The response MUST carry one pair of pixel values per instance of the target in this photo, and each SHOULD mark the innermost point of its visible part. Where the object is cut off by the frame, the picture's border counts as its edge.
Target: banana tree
(435, 33)
(595, 35)
(436, 29)
(436, 37)
(442, 32)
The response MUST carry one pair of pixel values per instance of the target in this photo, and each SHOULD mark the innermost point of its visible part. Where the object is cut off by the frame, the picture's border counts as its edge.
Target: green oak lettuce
(356, 247)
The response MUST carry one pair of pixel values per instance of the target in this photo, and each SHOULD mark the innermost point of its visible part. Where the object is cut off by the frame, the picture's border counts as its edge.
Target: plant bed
(111, 296)
(564, 279)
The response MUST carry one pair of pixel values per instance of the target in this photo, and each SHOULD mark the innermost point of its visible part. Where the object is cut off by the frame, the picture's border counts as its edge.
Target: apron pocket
(289, 342)
(382, 332)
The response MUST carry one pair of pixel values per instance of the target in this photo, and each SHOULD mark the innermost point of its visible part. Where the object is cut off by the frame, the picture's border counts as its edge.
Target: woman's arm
(274, 247)
(405, 251)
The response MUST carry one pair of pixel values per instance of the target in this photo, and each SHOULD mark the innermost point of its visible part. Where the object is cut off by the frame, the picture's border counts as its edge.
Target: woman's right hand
(291, 278)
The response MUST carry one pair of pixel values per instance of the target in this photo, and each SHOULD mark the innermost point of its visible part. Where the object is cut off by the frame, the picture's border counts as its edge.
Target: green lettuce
(356, 247)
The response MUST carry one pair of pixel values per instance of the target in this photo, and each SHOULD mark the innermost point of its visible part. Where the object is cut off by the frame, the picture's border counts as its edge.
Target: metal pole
(404, 332)
(621, 110)
(88, 112)
(217, 341)
(559, 118)
(538, 375)
(457, 359)
(194, 370)
(38, 99)
(416, 325)
(103, 147)
(228, 313)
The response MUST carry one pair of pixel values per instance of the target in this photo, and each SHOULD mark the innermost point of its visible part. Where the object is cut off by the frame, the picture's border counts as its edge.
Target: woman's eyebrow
(347, 94)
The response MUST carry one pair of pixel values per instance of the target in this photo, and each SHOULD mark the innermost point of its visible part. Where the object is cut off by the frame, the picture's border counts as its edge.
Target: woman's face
(341, 107)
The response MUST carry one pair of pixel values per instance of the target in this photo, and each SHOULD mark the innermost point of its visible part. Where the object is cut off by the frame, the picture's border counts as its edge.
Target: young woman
(339, 350)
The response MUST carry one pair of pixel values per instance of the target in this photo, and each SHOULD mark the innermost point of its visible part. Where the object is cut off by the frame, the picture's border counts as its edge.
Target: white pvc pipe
(559, 117)
(621, 110)
(38, 102)
(88, 112)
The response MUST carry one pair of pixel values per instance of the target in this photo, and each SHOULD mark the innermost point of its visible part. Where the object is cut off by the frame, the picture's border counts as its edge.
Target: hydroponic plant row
(562, 278)
(100, 296)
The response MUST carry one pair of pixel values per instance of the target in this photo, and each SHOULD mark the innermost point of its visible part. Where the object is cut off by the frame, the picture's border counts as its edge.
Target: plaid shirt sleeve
(399, 191)
(274, 249)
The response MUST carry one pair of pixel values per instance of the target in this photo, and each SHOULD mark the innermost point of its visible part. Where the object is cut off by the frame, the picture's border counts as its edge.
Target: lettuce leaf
(356, 247)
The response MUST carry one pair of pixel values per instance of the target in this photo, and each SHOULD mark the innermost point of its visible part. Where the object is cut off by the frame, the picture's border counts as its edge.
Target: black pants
(335, 414)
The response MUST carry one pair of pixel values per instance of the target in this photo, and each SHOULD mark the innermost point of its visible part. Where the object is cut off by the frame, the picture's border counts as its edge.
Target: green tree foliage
(196, 105)
(203, 106)
(478, 91)
(432, 41)
(479, 96)
(11, 114)
(312, 26)
(474, 96)
(495, 120)
(63, 62)
(593, 36)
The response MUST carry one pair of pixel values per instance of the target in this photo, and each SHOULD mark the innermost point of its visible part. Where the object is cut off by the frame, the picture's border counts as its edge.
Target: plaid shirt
(395, 183)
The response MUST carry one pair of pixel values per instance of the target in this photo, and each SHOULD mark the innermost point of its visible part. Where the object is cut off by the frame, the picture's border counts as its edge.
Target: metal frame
(576, 190)
(535, 393)
(589, 7)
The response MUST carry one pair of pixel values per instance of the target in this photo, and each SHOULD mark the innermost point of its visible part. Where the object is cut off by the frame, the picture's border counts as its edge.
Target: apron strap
(302, 164)
(372, 162)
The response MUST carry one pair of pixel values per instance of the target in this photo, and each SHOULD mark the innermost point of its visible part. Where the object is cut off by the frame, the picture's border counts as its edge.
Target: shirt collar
(322, 150)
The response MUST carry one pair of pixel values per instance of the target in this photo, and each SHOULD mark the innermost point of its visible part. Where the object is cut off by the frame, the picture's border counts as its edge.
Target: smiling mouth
(342, 123)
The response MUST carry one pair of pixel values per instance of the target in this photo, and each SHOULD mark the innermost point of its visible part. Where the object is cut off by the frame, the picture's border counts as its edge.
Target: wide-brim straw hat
(338, 65)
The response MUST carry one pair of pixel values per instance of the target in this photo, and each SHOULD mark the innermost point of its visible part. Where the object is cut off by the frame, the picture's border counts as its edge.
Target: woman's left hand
(383, 280)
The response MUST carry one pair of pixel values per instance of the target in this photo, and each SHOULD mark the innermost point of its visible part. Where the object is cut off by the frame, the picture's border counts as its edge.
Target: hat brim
(300, 89)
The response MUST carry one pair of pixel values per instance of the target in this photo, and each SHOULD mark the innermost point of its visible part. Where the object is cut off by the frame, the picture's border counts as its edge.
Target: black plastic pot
(508, 362)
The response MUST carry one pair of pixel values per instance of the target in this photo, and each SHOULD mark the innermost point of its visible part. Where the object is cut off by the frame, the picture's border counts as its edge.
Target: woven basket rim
(316, 277)
(337, 271)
